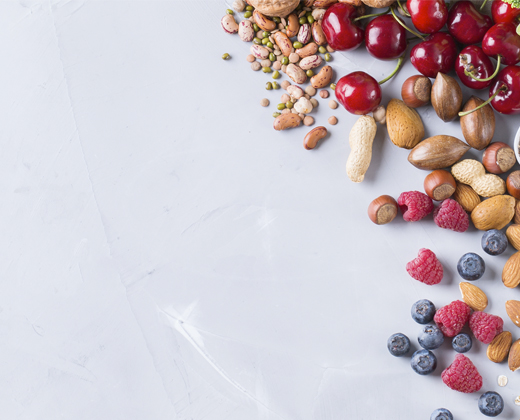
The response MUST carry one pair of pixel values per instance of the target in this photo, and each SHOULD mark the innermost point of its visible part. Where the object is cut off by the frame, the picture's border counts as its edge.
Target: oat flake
(502, 380)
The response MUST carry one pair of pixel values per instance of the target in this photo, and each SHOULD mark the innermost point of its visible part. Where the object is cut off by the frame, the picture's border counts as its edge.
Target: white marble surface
(165, 254)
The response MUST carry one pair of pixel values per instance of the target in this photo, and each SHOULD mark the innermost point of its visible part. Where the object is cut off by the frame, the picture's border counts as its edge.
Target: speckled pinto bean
(304, 34)
(283, 42)
(259, 52)
(293, 25)
(313, 137)
(296, 74)
(285, 121)
(246, 31)
(311, 62)
(323, 78)
(310, 49)
(263, 22)
(317, 33)
(229, 25)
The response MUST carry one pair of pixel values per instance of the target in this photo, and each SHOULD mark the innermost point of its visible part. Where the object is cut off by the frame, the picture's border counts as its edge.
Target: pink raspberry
(462, 375)
(485, 326)
(451, 215)
(414, 205)
(452, 317)
(426, 268)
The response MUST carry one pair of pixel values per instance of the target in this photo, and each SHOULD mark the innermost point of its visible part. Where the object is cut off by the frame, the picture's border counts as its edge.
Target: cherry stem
(403, 10)
(487, 79)
(404, 26)
(502, 88)
(373, 15)
(400, 62)
(483, 4)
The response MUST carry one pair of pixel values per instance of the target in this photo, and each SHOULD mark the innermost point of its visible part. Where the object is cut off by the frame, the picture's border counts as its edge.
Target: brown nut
(446, 97)
(293, 26)
(382, 210)
(437, 152)
(285, 121)
(513, 235)
(513, 359)
(494, 213)
(313, 137)
(498, 349)
(466, 197)
(324, 3)
(296, 74)
(439, 185)
(323, 78)
(498, 158)
(478, 127)
(416, 91)
(263, 22)
(513, 184)
(310, 49)
(317, 33)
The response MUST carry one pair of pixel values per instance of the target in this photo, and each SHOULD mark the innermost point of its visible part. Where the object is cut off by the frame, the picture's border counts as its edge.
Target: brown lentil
(324, 94)
(255, 65)
(264, 102)
(277, 65)
(333, 120)
(294, 58)
(285, 84)
(310, 91)
(314, 103)
(333, 104)
(308, 120)
(285, 98)
(265, 63)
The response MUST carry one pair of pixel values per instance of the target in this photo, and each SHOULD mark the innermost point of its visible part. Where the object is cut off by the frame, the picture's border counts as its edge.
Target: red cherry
(437, 53)
(473, 59)
(358, 92)
(385, 38)
(428, 16)
(503, 12)
(502, 39)
(340, 30)
(508, 100)
(466, 24)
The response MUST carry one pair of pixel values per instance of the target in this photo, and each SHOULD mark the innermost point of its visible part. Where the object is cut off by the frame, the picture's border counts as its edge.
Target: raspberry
(414, 205)
(462, 375)
(485, 326)
(426, 268)
(451, 215)
(452, 317)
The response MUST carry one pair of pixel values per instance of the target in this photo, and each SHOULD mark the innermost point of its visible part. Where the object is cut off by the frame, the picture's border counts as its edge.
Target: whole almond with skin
(511, 278)
(405, 127)
(494, 213)
(478, 127)
(514, 356)
(498, 349)
(466, 197)
(513, 311)
(446, 97)
(516, 219)
(513, 236)
(437, 152)
(474, 297)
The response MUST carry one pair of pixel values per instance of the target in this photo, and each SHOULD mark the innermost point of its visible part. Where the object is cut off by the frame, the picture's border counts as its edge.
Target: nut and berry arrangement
(288, 37)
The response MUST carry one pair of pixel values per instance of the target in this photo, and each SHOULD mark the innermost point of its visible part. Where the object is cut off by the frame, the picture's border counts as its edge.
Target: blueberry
(423, 362)
(441, 414)
(423, 311)
(398, 344)
(471, 266)
(490, 404)
(494, 242)
(430, 337)
(461, 343)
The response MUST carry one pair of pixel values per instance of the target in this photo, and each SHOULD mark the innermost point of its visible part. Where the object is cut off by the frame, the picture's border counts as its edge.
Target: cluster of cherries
(385, 39)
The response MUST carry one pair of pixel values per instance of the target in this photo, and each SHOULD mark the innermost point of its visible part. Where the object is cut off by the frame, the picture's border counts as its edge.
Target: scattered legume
(226, 56)
(297, 45)
(230, 12)
(276, 86)
(265, 63)
(289, 105)
(272, 57)
(250, 8)
(328, 57)
(277, 65)
(280, 106)
(265, 41)
(309, 73)
(285, 98)
(248, 14)
(333, 86)
(308, 120)
(276, 75)
(294, 58)
(324, 94)
(310, 90)
(322, 49)
(250, 58)
(310, 19)
(269, 44)
(256, 27)
(266, 69)
(268, 86)
(285, 61)
(333, 104)
(286, 84)
(333, 120)
(255, 65)
(303, 20)
(276, 114)
(314, 103)
(257, 41)
(264, 102)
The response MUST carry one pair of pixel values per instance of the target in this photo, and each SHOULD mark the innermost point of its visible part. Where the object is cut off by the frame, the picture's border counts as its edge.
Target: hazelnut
(498, 158)
(513, 184)
(439, 185)
(382, 210)
(416, 91)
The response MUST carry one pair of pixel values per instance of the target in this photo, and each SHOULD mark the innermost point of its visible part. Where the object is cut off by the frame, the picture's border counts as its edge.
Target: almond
(517, 212)
(494, 213)
(466, 197)
(513, 311)
(511, 275)
(498, 349)
(513, 236)
(514, 356)
(473, 296)
(405, 127)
